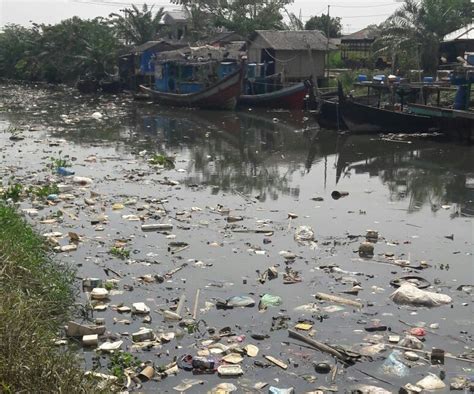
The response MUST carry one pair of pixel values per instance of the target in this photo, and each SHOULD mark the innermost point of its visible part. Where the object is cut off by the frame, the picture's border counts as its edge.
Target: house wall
(296, 65)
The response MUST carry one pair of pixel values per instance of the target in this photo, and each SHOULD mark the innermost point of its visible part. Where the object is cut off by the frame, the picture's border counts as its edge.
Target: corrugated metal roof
(465, 33)
(161, 44)
(176, 15)
(293, 39)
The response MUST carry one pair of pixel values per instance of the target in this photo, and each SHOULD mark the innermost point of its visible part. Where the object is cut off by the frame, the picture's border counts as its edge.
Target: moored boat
(363, 118)
(289, 97)
(222, 94)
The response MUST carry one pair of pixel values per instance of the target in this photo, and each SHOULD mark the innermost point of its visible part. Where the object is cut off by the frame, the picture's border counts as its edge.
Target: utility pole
(327, 44)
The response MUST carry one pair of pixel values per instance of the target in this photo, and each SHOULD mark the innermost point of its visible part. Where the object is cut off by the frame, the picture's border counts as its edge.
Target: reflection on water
(268, 154)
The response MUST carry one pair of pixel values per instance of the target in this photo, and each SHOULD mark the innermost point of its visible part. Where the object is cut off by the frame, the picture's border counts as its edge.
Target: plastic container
(157, 227)
(63, 171)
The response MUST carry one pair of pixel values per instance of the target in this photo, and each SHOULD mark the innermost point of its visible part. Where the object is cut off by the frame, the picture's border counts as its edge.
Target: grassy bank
(36, 295)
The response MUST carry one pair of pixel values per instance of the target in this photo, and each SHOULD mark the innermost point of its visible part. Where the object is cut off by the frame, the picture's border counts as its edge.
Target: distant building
(356, 48)
(458, 43)
(137, 67)
(224, 38)
(177, 23)
(297, 55)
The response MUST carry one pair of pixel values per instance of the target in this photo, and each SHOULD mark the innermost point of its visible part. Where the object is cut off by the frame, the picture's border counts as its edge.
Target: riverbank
(37, 296)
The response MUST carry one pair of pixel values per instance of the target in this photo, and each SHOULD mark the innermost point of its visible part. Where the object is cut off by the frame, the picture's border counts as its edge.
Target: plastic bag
(269, 300)
(393, 366)
(411, 295)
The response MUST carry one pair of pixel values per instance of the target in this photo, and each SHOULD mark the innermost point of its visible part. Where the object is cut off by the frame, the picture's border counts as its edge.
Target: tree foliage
(414, 31)
(241, 16)
(58, 53)
(321, 23)
(137, 26)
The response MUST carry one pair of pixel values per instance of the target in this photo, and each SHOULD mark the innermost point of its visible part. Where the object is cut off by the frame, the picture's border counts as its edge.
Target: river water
(261, 166)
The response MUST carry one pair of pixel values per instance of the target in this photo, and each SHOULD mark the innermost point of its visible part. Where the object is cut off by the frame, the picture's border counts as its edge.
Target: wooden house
(356, 48)
(177, 23)
(296, 54)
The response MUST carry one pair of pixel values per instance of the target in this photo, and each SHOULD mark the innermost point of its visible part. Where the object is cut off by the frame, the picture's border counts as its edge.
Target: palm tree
(137, 26)
(418, 26)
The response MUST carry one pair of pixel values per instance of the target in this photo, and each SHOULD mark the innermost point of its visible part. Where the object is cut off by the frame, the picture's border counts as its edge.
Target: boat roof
(205, 53)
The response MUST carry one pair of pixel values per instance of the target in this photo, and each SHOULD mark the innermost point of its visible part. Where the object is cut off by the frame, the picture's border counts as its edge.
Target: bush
(36, 299)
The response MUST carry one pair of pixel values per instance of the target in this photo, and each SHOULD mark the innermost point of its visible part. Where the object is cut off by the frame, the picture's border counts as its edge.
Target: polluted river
(248, 251)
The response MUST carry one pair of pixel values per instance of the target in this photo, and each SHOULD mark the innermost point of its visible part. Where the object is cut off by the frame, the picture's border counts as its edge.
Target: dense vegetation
(36, 295)
(64, 52)
(411, 36)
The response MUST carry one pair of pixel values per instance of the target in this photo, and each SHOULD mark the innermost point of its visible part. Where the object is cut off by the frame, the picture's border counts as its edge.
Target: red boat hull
(291, 97)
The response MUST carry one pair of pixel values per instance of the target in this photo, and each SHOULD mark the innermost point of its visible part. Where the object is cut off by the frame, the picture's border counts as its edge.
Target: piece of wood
(196, 303)
(277, 362)
(180, 306)
(318, 345)
(338, 300)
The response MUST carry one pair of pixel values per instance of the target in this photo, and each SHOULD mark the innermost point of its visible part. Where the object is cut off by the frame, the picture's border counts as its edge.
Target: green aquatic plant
(59, 161)
(120, 252)
(162, 160)
(44, 191)
(120, 361)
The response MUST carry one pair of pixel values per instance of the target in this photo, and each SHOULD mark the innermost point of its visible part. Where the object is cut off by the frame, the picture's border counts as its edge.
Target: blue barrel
(470, 59)
(361, 78)
(461, 98)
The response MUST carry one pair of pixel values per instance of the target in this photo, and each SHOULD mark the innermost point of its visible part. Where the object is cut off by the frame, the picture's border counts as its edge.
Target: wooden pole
(327, 44)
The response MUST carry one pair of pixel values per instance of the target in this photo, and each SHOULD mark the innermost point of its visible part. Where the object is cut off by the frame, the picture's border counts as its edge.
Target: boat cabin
(259, 80)
(183, 77)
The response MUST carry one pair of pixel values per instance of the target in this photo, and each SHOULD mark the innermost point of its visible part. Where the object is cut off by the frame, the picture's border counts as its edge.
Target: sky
(355, 14)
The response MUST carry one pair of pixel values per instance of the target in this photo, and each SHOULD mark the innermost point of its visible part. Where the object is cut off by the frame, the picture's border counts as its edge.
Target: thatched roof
(293, 39)
(361, 35)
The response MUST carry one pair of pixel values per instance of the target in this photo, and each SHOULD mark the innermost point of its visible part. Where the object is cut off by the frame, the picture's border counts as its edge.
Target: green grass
(36, 295)
(13, 191)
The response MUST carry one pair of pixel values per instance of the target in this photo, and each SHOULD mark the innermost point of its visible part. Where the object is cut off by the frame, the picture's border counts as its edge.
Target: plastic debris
(140, 308)
(240, 301)
(394, 366)
(269, 300)
(277, 390)
(230, 370)
(431, 382)
(411, 295)
(304, 235)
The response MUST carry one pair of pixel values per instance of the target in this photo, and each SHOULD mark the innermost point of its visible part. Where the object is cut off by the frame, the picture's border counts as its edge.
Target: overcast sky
(355, 14)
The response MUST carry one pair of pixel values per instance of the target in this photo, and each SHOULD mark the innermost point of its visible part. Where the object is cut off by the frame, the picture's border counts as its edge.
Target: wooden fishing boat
(220, 95)
(290, 97)
(363, 118)
(449, 120)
